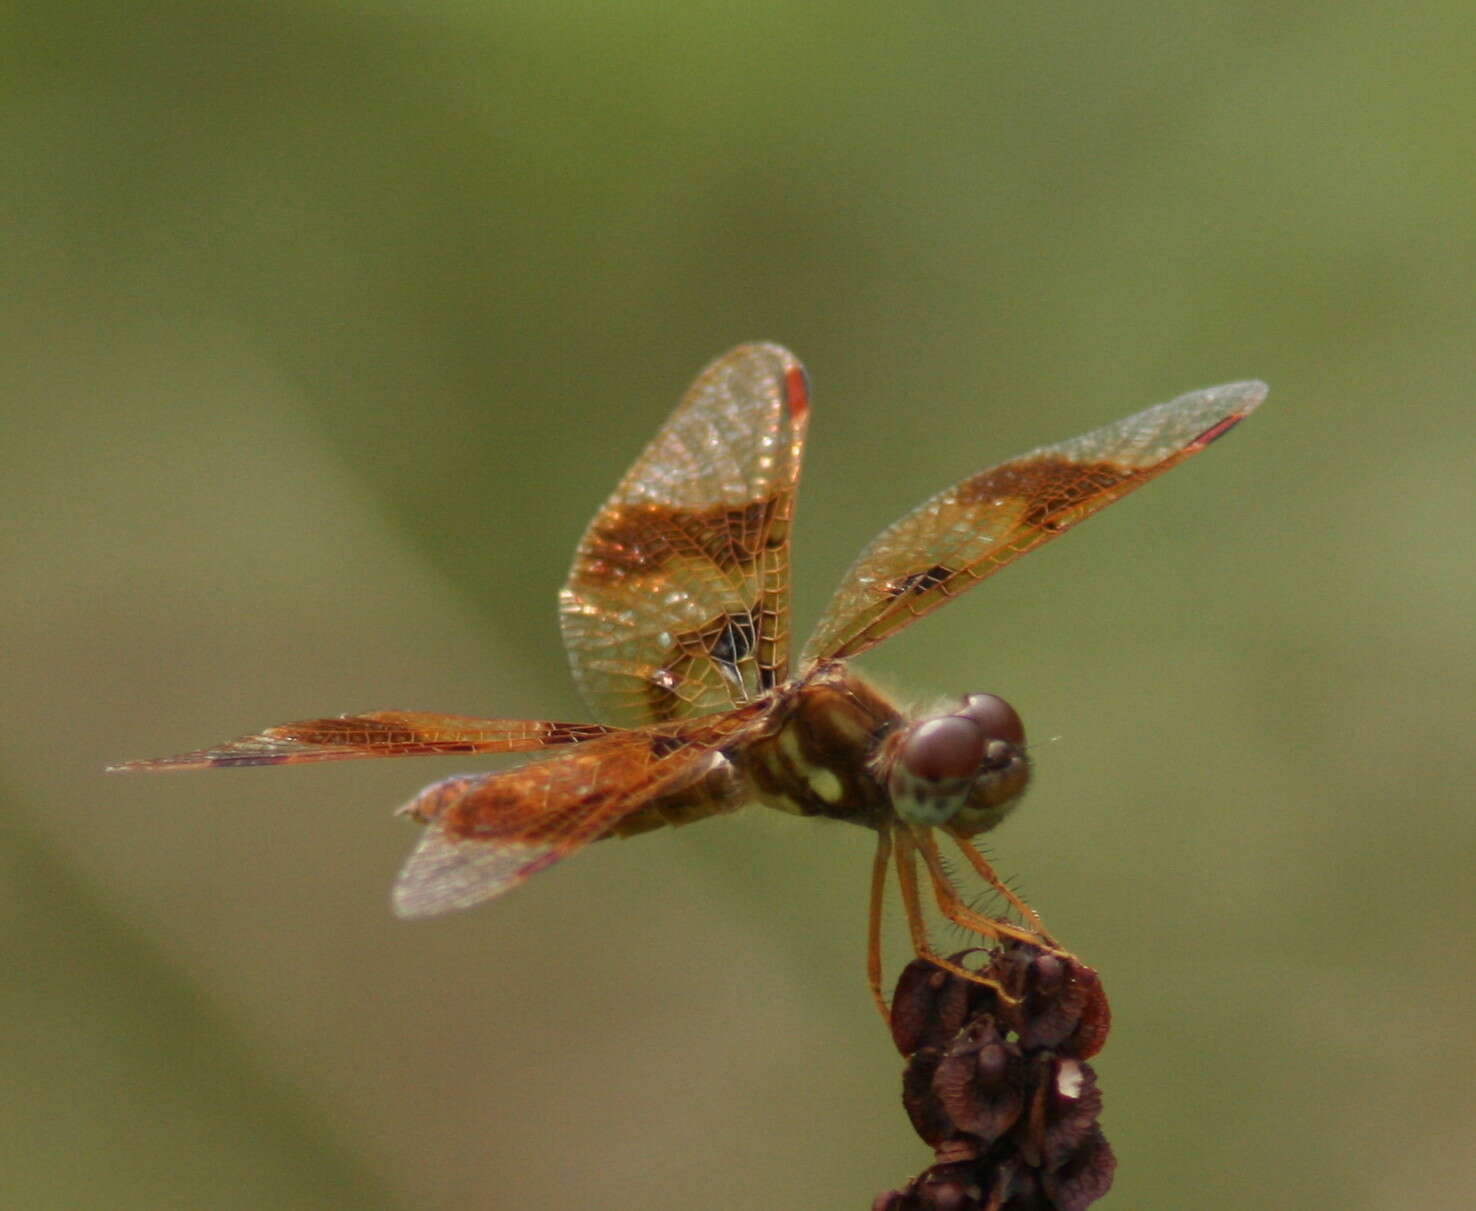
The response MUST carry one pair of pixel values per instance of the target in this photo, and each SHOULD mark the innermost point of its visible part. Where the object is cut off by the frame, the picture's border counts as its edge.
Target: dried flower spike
(1001, 1088)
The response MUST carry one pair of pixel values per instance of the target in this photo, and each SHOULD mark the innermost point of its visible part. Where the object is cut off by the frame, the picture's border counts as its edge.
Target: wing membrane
(678, 601)
(377, 734)
(985, 522)
(486, 834)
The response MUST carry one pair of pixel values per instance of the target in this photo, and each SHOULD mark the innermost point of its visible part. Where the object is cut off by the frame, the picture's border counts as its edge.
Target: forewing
(983, 523)
(678, 601)
(486, 834)
(378, 734)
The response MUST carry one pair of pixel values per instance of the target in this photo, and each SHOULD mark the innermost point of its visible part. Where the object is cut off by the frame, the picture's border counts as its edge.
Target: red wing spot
(1216, 431)
(797, 390)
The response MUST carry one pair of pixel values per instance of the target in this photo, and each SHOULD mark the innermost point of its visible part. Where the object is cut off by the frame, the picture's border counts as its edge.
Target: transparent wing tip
(444, 874)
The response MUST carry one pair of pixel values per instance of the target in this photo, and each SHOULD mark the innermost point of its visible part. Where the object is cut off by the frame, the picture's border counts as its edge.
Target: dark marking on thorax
(814, 759)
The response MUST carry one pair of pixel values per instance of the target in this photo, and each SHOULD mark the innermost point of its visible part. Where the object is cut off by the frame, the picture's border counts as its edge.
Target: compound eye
(944, 750)
(995, 717)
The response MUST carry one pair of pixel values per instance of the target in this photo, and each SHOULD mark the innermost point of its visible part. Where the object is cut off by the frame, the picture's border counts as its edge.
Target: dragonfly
(675, 617)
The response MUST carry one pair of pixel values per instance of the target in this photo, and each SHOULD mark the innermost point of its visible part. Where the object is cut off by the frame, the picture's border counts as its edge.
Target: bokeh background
(326, 327)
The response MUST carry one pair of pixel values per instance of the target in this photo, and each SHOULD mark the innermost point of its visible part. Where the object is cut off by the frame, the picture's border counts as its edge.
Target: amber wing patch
(486, 833)
(985, 522)
(378, 734)
(678, 601)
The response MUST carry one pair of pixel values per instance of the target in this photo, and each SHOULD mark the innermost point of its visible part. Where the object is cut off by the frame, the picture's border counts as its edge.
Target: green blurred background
(326, 328)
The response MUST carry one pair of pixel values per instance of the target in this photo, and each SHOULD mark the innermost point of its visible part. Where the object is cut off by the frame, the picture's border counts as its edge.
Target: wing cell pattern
(987, 521)
(678, 601)
(378, 734)
(487, 833)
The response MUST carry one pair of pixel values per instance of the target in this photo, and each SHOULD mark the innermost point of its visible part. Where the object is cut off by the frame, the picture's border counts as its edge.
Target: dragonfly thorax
(836, 746)
(814, 757)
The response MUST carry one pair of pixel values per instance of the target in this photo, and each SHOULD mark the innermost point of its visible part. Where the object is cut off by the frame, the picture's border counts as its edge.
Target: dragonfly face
(963, 770)
(676, 620)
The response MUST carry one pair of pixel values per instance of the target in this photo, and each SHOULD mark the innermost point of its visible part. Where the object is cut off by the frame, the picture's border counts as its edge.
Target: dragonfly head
(962, 769)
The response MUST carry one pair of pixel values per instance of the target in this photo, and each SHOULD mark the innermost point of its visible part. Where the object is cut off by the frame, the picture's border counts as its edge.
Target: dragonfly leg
(906, 850)
(953, 907)
(986, 872)
(873, 931)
